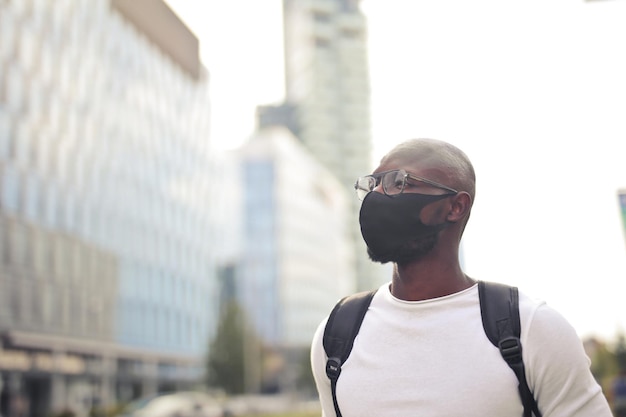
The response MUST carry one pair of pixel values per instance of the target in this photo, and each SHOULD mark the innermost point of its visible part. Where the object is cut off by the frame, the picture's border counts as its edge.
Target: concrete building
(108, 215)
(297, 255)
(327, 100)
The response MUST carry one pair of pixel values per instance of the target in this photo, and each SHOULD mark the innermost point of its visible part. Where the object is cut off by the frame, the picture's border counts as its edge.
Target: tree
(620, 353)
(226, 362)
(603, 365)
(306, 382)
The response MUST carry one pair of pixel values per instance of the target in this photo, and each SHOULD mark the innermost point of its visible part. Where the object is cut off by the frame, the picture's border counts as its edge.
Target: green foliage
(607, 363)
(226, 361)
(620, 353)
(603, 363)
(306, 382)
(294, 414)
(111, 411)
(64, 413)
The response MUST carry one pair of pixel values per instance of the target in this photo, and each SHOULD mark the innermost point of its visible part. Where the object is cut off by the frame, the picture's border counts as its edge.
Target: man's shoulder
(530, 303)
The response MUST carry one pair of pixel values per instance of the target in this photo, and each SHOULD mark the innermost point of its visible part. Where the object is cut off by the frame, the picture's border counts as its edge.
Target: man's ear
(461, 205)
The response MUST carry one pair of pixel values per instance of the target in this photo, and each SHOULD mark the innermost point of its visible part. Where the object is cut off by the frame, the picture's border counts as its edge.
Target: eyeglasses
(393, 182)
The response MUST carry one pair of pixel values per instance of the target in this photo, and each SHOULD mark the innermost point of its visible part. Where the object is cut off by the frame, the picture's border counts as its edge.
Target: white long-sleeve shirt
(432, 358)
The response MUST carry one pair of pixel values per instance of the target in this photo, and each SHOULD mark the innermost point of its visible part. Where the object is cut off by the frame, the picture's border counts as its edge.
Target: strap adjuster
(333, 368)
(511, 349)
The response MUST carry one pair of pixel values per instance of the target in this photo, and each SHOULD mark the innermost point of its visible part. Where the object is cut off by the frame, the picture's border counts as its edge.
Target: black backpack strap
(499, 307)
(342, 327)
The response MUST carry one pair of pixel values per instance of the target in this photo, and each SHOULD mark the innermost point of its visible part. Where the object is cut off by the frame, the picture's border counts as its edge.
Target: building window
(9, 189)
(321, 17)
(6, 142)
(351, 34)
(14, 300)
(17, 243)
(5, 255)
(322, 43)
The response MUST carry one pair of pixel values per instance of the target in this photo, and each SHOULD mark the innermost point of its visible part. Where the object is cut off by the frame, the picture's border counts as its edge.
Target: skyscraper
(328, 94)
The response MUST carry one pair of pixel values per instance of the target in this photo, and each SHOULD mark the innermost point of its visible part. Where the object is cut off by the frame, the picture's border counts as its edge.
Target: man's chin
(379, 258)
(410, 252)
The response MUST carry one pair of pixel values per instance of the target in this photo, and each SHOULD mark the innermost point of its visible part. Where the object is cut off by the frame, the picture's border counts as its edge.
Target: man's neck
(428, 278)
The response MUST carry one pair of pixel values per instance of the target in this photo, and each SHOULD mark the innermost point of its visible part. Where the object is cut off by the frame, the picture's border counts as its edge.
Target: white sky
(534, 91)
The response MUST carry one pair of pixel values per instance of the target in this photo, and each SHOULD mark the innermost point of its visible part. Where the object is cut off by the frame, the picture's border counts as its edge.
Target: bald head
(449, 164)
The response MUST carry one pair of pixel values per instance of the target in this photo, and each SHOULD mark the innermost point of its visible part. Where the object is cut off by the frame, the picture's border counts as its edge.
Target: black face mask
(391, 225)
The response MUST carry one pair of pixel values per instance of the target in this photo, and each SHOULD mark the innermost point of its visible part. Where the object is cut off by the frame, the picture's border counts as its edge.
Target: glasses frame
(405, 175)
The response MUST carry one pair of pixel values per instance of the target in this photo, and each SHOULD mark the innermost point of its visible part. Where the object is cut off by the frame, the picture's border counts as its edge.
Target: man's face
(410, 248)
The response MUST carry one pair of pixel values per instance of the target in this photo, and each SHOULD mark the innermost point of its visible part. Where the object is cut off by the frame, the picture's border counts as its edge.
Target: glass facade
(297, 259)
(260, 269)
(107, 225)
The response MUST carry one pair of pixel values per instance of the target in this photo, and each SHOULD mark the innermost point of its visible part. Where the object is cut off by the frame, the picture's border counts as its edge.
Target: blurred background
(176, 202)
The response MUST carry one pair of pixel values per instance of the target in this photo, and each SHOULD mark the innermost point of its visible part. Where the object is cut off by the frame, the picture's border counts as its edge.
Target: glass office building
(108, 285)
(327, 102)
(297, 256)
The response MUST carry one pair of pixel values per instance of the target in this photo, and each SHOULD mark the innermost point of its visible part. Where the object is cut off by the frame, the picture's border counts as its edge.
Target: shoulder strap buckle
(511, 349)
(333, 368)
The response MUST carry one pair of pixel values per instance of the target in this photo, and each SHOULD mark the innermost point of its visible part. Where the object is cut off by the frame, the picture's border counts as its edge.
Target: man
(421, 349)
